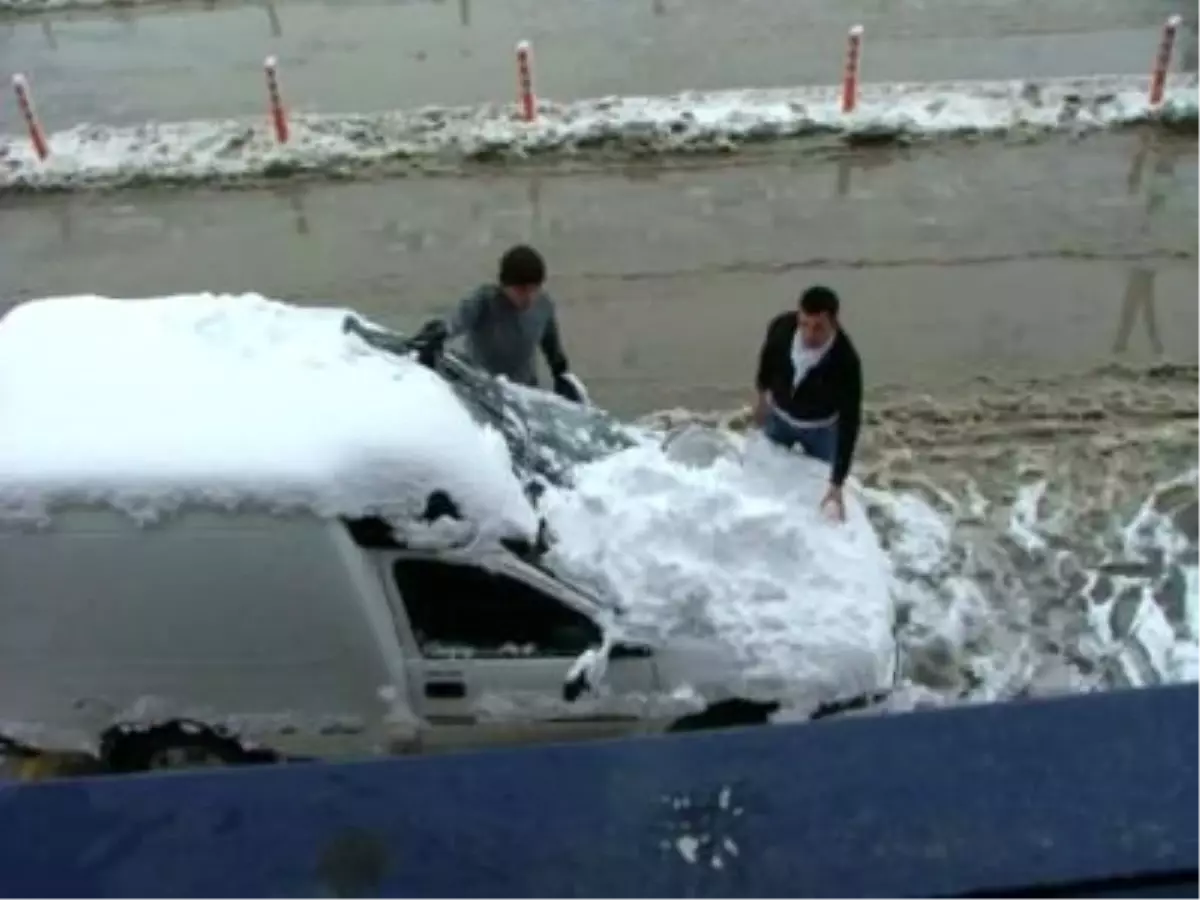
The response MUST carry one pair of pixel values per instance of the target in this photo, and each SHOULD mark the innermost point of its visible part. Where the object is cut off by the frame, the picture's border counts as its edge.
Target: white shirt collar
(805, 358)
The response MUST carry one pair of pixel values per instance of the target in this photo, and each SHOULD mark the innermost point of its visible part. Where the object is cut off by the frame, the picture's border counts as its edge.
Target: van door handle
(445, 690)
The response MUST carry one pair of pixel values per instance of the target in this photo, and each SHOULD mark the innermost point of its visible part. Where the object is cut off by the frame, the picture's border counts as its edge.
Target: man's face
(815, 329)
(521, 295)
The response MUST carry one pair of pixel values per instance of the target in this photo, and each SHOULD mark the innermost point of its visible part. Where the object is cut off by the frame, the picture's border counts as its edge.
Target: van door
(495, 650)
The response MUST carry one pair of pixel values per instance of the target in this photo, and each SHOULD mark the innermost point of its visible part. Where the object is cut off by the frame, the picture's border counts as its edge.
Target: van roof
(217, 400)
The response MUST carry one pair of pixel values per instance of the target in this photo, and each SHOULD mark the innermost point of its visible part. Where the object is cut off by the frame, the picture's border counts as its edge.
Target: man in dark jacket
(810, 387)
(503, 323)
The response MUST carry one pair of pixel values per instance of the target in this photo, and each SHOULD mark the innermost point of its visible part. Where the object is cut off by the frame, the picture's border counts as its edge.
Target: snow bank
(722, 121)
(148, 405)
(728, 547)
(1169, 650)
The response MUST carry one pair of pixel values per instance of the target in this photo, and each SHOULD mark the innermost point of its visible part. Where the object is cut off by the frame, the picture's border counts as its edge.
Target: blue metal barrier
(1083, 796)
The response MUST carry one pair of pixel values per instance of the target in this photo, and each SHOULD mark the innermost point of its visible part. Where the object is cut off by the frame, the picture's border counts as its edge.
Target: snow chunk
(224, 401)
(735, 554)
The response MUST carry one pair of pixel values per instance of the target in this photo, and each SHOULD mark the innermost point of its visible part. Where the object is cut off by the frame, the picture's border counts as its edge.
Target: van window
(461, 609)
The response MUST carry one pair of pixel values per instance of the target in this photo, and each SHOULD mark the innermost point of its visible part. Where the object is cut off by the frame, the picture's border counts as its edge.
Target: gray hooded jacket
(502, 339)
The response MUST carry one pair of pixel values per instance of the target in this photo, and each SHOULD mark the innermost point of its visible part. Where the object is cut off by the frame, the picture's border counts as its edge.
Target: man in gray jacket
(504, 323)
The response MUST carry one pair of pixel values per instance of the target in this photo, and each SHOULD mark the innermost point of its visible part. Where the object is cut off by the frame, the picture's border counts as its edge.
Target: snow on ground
(727, 544)
(148, 405)
(1022, 566)
(91, 155)
(1169, 649)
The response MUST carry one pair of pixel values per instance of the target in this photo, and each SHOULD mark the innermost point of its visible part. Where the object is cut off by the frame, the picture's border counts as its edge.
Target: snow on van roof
(219, 400)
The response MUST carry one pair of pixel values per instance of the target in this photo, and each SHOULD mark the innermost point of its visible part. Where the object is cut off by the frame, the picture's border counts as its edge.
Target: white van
(307, 637)
(158, 605)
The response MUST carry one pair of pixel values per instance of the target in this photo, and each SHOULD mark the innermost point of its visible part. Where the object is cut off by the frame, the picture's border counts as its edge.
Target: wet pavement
(954, 262)
(203, 60)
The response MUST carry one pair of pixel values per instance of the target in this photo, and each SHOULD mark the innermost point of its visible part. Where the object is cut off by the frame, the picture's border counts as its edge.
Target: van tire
(172, 745)
(726, 714)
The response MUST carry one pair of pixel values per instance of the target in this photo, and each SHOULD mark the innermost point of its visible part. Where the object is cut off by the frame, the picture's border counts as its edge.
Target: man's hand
(434, 332)
(758, 415)
(429, 342)
(833, 504)
(569, 387)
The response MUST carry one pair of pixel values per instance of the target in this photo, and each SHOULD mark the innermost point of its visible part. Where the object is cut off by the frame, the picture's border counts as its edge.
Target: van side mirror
(588, 670)
(573, 688)
(585, 672)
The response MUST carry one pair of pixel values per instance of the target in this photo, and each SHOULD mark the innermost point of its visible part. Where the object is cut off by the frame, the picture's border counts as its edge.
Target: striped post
(525, 82)
(25, 101)
(1162, 62)
(278, 114)
(850, 75)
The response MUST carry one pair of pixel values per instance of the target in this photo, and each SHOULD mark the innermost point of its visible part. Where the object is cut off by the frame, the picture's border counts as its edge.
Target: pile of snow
(220, 401)
(720, 121)
(1169, 650)
(722, 543)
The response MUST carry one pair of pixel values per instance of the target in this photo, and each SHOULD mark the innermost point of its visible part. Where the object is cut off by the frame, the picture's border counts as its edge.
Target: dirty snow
(93, 155)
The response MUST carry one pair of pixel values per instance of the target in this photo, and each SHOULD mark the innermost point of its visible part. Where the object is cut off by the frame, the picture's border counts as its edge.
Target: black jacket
(832, 387)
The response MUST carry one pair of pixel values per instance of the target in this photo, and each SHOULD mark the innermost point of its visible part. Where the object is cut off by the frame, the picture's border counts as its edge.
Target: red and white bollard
(1162, 62)
(25, 101)
(278, 114)
(850, 75)
(525, 82)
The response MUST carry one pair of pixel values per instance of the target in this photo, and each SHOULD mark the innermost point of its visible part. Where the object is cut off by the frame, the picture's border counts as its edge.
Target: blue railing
(1083, 796)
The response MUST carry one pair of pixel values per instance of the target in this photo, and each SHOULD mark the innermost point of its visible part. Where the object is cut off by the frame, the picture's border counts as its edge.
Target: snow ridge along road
(245, 151)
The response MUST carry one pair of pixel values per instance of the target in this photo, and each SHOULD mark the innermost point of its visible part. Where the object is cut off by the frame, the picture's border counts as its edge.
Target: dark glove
(429, 342)
(432, 332)
(569, 387)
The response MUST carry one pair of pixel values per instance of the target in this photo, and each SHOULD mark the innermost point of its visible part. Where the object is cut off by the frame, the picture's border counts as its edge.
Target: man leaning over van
(504, 323)
(810, 387)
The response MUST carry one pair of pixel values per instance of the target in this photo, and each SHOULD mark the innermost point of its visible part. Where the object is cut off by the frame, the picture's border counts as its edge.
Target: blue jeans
(819, 442)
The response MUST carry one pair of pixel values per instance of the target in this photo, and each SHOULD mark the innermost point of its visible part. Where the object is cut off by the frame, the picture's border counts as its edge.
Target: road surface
(1003, 259)
(203, 60)
(953, 261)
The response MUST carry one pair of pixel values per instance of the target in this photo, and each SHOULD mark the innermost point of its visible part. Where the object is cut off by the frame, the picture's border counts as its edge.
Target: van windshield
(546, 435)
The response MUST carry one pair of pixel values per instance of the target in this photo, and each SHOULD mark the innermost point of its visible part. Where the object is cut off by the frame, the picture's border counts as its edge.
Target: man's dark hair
(522, 266)
(819, 299)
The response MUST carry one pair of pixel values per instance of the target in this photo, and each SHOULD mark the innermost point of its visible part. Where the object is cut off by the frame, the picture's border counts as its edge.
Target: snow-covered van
(312, 637)
(230, 532)
(309, 636)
